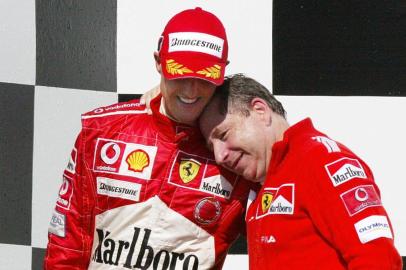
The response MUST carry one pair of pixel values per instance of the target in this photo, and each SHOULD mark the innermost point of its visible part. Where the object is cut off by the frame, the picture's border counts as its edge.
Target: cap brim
(190, 65)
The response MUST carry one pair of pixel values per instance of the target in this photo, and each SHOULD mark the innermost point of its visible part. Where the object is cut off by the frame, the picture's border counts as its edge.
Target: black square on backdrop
(239, 246)
(37, 259)
(76, 44)
(337, 48)
(16, 144)
(128, 97)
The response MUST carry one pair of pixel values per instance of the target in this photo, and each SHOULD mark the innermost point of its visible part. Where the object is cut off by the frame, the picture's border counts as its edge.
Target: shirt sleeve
(70, 234)
(345, 206)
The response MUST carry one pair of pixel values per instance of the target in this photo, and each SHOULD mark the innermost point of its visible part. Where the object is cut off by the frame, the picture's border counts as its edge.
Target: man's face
(185, 99)
(238, 142)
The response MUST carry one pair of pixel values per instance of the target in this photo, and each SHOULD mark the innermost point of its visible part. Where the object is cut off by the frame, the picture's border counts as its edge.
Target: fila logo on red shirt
(344, 169)
(268, 239)
(123, 158)
(360, 198)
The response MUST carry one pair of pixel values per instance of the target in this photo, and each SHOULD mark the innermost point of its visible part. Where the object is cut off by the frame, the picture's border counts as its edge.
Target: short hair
(237, 92)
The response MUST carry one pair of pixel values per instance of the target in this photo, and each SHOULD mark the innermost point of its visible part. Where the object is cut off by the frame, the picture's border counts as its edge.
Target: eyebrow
(216, 132)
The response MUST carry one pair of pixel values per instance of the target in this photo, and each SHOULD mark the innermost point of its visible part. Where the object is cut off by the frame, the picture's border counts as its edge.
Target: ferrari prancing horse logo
(188, 169)
(266, 201)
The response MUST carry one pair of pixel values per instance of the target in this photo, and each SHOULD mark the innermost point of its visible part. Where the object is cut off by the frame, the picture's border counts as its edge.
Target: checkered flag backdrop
(335, 63)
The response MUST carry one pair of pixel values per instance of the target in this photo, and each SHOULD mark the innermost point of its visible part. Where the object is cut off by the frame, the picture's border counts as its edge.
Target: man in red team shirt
(142, 191)
(319, 206)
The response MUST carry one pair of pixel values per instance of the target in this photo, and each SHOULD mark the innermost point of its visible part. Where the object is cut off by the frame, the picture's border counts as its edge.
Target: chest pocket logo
(137, 160)
(124, 158)
(277, 201)
(266, 201)
(188, 170)
(201, 174)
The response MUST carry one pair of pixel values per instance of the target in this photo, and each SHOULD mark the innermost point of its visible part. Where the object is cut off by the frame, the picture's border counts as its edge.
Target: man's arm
(70, 230)
(347, 210)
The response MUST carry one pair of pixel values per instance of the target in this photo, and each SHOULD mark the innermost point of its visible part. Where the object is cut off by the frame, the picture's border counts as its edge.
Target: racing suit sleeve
(69, 233)
(345, 206)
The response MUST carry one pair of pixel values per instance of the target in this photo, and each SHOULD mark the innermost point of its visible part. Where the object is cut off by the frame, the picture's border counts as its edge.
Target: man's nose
(192, 87)
(220, 152)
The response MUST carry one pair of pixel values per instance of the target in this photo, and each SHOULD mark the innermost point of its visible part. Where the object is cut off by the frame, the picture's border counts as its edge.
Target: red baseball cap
(194, 45)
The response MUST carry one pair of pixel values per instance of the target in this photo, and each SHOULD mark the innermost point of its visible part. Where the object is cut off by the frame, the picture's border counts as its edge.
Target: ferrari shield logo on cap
(266, 201)
(188, 169)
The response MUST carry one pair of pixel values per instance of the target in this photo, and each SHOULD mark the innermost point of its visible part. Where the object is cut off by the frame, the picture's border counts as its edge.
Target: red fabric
(299, 220)
(194, 45)
(99, 150)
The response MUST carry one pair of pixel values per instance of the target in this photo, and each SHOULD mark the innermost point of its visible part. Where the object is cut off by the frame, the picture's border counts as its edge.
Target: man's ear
(259, 105)
(158, 65)
(261, 108)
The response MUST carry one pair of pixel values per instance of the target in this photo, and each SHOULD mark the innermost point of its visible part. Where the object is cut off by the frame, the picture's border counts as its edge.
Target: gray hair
(237, 92)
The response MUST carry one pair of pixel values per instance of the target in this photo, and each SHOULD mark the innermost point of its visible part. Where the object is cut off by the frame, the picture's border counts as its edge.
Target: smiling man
(319, 206)
(142, 191)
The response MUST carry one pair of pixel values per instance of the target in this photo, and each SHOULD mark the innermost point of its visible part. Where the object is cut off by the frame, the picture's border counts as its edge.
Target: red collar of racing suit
(281, 148)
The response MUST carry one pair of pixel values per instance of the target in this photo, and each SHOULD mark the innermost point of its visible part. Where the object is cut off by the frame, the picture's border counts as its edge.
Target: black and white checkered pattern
(342, 65)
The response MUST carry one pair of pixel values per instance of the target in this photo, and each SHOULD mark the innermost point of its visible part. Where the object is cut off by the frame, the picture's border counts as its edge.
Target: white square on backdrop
(18, 44)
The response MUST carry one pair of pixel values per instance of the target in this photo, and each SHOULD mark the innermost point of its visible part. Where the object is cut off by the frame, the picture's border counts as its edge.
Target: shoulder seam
(113, 113)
